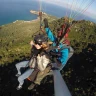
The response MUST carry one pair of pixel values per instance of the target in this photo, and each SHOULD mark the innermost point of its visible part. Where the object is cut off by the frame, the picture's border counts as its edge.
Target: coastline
(25, 21)
(29, 21)
(22, 21)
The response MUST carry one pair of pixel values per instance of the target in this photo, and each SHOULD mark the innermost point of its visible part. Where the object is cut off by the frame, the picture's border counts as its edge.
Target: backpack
(63, 34)
(71, 52)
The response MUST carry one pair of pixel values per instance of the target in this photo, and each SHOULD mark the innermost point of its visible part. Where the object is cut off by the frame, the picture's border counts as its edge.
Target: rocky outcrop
(37, 12)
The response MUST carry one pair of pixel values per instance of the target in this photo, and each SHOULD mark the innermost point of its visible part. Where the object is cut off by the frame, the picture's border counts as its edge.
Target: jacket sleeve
(64, 56)
(42, 62)
(50, 35)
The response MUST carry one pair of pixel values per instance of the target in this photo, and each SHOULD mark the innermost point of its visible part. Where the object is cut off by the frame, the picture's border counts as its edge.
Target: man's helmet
(38, 39)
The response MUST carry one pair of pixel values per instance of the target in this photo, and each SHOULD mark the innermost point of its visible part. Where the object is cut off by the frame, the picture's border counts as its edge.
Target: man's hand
(45, 22)
(31, 43)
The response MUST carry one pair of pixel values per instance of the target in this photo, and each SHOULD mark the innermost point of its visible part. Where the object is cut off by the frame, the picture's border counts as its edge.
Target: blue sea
(12, 10)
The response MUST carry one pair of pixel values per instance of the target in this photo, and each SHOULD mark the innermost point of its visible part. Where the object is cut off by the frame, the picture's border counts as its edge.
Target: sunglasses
(36, 42)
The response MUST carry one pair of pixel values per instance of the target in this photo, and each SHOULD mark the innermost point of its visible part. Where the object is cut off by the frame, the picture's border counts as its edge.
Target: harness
(64, 31)
(71, 50)
(51, 51)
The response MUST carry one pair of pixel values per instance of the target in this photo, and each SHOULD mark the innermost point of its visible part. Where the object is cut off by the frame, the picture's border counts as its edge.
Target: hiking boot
(19, 87)
(45, 23)
(31, 86)
(17, 75)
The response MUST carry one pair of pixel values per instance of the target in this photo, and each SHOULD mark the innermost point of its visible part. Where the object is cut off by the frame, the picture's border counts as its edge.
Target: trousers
(25, 75)
(41, 75)
(21, 65)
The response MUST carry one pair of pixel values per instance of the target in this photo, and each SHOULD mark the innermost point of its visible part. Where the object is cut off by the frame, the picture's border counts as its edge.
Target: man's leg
(40, 77)
(33, 76)
(21, 78)
(20, 65)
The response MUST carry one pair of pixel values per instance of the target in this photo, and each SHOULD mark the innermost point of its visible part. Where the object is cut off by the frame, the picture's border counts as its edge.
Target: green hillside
(82, 33)
(15, 37)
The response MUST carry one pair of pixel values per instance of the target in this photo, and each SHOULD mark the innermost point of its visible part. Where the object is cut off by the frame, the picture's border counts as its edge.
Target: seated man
(35, 50)
(37, 66)
(43, 65)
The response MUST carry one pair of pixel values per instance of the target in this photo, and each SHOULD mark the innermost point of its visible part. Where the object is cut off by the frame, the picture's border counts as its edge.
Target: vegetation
(15, 37)
(82, 33)
(80, 71)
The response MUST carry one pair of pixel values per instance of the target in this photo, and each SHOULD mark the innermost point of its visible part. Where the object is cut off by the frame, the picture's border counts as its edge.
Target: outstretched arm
(50, 35)
(48, 31)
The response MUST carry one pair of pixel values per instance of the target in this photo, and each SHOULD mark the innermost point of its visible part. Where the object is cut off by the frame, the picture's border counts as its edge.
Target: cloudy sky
(84, 6)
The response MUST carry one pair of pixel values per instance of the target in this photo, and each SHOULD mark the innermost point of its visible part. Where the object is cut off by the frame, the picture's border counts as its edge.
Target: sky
(87, 7)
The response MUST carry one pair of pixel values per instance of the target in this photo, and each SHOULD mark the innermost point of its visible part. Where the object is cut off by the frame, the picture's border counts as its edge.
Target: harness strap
(64, 30)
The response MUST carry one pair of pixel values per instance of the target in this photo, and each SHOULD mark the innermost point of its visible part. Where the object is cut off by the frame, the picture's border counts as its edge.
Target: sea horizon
(19, 10)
